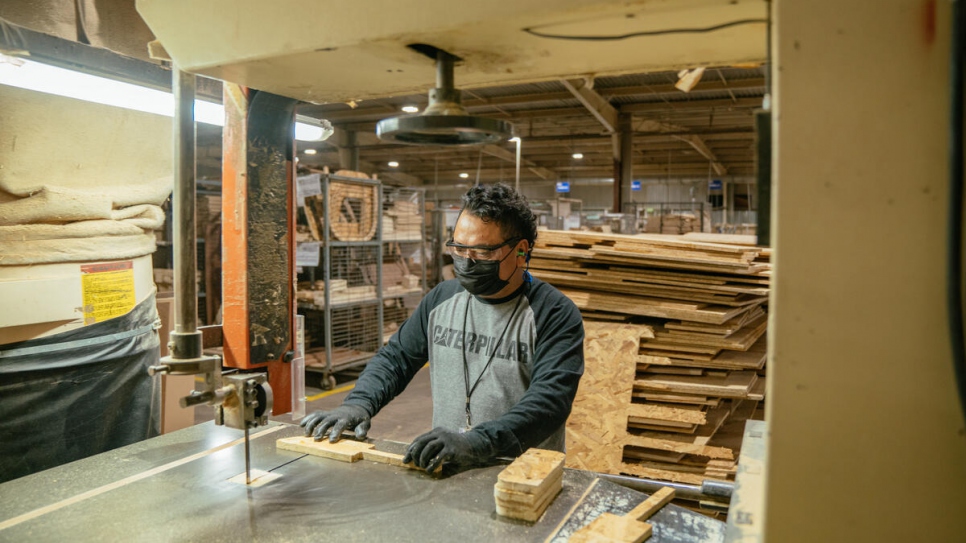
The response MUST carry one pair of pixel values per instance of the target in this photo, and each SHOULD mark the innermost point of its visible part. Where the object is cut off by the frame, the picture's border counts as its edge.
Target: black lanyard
(466, 366)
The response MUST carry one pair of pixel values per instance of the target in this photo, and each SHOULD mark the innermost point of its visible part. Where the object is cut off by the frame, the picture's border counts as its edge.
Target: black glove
(341, 418)
(433, 448)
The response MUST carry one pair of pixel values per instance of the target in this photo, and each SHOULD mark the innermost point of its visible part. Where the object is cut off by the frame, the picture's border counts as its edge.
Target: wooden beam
(702, 148)
(598, 106)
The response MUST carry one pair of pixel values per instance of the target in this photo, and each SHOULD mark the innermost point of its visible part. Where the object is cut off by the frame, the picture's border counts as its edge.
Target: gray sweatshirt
(523, 358)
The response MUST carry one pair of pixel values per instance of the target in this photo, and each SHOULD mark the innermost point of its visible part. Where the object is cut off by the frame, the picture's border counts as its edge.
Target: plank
(689, 399)
(669, 276)
(741, 340)
(736, 385)
(344, 450)
(666, 412)
(725, 329)
(652, 504)
(640, 240)
(752, 359)
(651, 307)
(606, 283)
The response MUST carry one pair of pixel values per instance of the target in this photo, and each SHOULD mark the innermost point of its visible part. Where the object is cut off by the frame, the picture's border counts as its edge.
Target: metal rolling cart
(344, 319)
(373, 270)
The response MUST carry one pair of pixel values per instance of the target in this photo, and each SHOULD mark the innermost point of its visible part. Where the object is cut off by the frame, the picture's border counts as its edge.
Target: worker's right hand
(332, 423)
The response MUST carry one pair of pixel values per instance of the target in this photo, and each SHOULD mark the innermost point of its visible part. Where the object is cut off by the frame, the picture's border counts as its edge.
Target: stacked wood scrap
(674, 350)
(525, 488)
(676, 223)
(401, 221)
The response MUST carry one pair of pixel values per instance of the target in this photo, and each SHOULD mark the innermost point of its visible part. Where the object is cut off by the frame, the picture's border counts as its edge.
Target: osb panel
(598, 422)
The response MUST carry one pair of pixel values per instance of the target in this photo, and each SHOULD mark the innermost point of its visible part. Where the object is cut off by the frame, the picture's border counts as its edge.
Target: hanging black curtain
(72, 395)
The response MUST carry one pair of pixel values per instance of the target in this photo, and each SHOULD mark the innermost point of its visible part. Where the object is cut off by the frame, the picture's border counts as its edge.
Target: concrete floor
(404, 419)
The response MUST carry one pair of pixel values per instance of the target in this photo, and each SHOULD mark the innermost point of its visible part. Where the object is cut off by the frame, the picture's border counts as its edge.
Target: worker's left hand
(433, 448)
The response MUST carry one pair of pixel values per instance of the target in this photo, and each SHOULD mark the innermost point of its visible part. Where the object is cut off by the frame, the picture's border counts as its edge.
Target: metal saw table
(175, 488)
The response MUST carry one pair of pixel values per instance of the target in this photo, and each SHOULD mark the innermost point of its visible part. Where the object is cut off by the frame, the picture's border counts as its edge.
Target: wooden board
(737, 384)
(598, 420)
(651, 307)
(682, 414)
(344, 450)
(742, 340)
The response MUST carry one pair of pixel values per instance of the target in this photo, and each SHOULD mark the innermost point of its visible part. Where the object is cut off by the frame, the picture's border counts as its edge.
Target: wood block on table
(532, 471)
(528, 499)
(525, 488)
(528, 512)
(344, 450)
(609, 527)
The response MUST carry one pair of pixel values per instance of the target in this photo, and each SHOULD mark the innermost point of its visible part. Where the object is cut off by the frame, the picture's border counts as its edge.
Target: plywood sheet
(598, 420)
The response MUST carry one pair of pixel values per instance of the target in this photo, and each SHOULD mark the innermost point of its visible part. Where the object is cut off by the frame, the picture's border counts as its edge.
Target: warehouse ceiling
(705, 132)
(562, 71)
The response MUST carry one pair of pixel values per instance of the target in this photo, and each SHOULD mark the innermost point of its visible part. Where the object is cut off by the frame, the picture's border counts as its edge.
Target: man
(505, 349)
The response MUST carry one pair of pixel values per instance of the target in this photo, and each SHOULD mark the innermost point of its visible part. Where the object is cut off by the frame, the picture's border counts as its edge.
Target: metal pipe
(519, 142)
(185, 248)
(444, 71)
(709, 491)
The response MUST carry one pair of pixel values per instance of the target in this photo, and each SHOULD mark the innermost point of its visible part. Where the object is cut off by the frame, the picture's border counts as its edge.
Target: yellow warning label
(108, 290)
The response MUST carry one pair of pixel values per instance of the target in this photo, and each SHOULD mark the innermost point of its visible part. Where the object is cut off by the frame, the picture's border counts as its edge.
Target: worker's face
(472, 231)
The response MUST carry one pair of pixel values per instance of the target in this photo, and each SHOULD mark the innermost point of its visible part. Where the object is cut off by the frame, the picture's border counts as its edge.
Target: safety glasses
(478, 252)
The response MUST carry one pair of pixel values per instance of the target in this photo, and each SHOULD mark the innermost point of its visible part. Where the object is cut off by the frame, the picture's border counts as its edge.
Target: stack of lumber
(674, 350)
(525, 488)
(401, 221)
(674, 223)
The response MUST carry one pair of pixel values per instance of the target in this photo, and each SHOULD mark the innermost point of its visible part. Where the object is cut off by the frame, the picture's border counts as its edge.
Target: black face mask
(480, 277)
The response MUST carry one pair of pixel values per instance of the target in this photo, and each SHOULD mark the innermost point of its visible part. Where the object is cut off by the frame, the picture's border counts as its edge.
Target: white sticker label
(307, 254)
(307, 185)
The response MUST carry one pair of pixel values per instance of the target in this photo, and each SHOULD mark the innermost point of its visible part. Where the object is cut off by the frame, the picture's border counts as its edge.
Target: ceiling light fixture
(39, 77)
(393, 164)
(444, 121)
(464, 175)
(410, 109)
(578, 156)
(310, 151)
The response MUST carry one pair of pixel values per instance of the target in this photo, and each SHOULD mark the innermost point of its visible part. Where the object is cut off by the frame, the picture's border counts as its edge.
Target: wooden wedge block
(344, 450)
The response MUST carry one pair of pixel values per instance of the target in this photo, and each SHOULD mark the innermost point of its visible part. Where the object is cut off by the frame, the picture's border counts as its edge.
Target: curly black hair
(504, 206)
